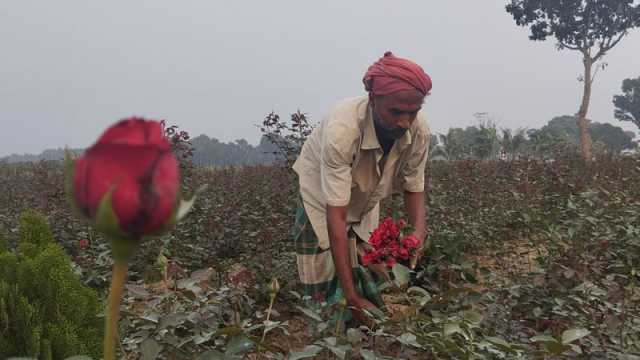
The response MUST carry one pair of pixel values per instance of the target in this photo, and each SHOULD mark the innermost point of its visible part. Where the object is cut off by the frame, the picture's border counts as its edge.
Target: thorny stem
(113, 309)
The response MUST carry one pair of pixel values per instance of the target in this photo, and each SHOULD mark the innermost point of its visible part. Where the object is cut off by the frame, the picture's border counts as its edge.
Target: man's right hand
(358, 304)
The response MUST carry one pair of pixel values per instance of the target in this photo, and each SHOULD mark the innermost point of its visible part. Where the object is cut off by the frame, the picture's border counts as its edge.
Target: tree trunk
(583, 123)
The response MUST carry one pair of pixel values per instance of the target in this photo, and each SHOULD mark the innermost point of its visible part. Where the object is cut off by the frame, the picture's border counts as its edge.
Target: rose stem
(113, 309)
(264, 333)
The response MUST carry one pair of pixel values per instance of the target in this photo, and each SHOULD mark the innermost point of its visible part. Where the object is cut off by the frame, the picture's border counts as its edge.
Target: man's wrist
(420, 234)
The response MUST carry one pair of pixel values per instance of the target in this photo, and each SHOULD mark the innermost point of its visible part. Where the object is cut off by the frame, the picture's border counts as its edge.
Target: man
(364, 150)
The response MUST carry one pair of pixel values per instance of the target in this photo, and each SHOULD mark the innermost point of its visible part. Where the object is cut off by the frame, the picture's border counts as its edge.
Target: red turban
(392, 74)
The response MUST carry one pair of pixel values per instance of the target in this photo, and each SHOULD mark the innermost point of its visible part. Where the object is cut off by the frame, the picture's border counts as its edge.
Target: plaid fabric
(316, 268)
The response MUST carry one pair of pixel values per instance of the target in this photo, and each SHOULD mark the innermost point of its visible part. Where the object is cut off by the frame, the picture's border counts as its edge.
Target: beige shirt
(338, 166)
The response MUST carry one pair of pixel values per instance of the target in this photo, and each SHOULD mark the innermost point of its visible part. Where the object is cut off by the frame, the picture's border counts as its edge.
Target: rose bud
(274, 286)
(127, 183)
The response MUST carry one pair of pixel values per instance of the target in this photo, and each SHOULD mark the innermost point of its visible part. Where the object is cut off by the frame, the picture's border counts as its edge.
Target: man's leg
(315, 266)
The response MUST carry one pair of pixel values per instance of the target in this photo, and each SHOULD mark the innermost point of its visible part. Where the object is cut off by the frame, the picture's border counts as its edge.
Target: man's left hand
(415, 259)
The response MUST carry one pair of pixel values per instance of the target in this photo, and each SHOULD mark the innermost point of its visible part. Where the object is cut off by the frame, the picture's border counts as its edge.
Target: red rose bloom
(134, 161)
(388, 246)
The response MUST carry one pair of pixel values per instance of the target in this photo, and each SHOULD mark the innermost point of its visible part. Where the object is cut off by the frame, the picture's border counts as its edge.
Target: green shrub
(45, 311)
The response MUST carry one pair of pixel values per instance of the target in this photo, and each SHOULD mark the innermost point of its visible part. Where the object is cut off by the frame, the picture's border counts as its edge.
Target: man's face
(395, 113)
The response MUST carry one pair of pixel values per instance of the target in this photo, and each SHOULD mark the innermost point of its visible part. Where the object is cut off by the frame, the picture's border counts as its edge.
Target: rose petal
(135, 131)
(165, 186)
(80, 193)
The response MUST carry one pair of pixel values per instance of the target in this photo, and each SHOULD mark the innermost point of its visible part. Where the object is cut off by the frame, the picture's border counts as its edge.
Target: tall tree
(592, 27)
(628, 104)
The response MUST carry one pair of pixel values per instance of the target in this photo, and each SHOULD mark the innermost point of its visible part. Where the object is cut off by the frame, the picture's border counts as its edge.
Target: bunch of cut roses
(390, 244)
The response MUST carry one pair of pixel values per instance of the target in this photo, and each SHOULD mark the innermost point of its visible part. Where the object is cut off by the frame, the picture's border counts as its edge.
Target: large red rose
(134, 160)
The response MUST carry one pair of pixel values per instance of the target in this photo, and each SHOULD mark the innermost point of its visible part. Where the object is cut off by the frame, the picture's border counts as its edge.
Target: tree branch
(572, 47)
(604, 48)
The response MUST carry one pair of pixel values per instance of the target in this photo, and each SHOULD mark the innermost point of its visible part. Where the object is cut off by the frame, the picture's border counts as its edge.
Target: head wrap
(392, 74)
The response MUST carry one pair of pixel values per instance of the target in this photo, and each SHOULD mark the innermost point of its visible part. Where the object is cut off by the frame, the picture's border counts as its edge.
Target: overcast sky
(68, 69)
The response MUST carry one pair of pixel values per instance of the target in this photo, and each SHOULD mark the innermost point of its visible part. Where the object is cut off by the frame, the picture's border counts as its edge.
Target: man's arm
(415, 206)
(337, 226)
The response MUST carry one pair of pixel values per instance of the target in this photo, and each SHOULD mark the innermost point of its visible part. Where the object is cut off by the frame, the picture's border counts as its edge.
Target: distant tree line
(212, 152)
(281, 140)
(205, 151)
(486, 141)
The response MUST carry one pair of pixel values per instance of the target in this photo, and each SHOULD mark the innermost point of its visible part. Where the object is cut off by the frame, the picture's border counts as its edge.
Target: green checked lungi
(317, 270)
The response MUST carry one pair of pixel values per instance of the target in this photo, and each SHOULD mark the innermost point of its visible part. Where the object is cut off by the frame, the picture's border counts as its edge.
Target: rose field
(527, 259)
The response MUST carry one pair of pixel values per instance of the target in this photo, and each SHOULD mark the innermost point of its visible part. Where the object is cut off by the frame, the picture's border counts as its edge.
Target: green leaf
(137, 290)
(340, 350)
(499, 342)
(374, 313)
(543, 338)
(384, 286)
(537, 312)
(355, 336)
(310, 313)
(422, 294)
(79, 357)
(419, 290)
(270, 325)
(401, 274)
(371, 355)
(331, 341)
(153, 317)
(203, 337)
(409, 339)
(172, 320)
(452, 328)
(473, 317)
(572, 335)
(229, 331)
(556, 348)
(150, 349)
(368, 354)
(239, 345)
(308, 352)
(212, 355)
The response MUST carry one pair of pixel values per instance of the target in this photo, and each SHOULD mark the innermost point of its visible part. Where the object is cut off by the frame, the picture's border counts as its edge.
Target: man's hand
(358, 304)
(378, 269)
(415, 204)
(415, 259)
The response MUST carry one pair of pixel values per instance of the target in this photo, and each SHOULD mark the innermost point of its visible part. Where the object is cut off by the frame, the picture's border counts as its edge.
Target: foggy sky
(68, 69)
